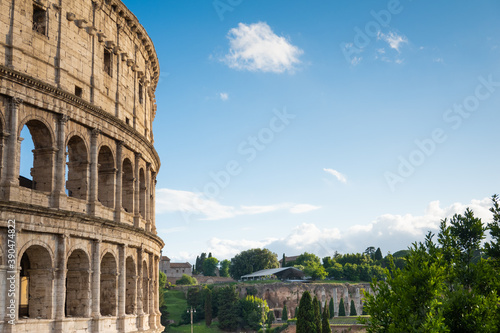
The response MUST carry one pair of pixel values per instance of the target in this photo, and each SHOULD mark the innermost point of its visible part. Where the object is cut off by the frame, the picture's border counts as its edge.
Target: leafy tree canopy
(251, 261)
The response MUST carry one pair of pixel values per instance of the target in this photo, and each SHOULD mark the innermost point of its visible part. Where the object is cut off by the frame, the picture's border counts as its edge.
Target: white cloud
(356, 60)
(168, 201)
(438, 60)
(255, 47)
(390, 232)
(303, 208)
(224, 96)
(341, 178)
(393, 39)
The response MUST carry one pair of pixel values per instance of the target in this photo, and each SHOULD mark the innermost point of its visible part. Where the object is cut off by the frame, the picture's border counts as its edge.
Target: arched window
(40, 175)
(77, 168)
(106, 177)
(142, 193)
(131, 281)
(128, 186)
(35, 285)
(145, 287)
(108, 285)
(78, 285)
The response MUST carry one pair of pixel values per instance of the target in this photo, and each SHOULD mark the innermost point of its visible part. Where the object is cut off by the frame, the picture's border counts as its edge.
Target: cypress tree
(284, 315)
(325, 324)
(317, 314)
(341, 307)
(378, 254)
(208, 307)
(353, 309)
(331, 309)
(270, 319)
(305, 315)
(283, 261)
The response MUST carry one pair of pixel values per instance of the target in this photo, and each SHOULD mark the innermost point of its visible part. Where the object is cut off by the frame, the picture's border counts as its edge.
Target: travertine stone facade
(80, 75)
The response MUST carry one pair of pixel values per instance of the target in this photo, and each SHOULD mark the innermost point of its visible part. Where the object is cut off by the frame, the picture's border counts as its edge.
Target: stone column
(12, 151)
(335, 303)
(119, 172)
(140, 309)
(157, 291)
(58, 188)
(137, 215)
(151, 292)
(60, 283)
(96, 279)
(122, 294)
(93, 177)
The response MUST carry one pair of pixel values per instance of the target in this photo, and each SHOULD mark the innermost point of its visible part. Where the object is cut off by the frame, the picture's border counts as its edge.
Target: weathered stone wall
(81, 76)
(279, 294)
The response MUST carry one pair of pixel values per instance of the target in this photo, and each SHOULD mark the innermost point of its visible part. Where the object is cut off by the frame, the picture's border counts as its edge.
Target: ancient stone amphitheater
(79, 250)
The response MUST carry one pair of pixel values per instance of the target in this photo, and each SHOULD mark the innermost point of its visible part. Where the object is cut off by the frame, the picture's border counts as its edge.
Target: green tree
(315, 270)
(306, 257)
(305, 315)
(208, 306)
(317, 314)
(492, 248)
(251, 261)
(352, 311)
(331, 308)
(253, 312)
(378, 254)
(228, 309)
(284, 315)
(409, 300)
(325, 323)
(186, 280)
(341, 307)
(370, 251)
(162, 301)
(270, 319)
(209, 266)
(224, 268)
(283, 261)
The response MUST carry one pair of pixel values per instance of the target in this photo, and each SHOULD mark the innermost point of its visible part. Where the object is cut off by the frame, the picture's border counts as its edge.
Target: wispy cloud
(340, 177)
(394, 40)
(168, 200)
(224, 96)
(391, 232)
(255, 47)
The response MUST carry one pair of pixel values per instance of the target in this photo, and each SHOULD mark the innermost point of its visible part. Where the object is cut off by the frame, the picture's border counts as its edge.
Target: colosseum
(79, 249)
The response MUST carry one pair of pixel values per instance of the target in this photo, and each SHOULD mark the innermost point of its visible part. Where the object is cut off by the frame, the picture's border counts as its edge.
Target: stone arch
(142, 193)
(77, 167)
(108, 285)
(106, 177)
(42, 172)
(128, 186)
(78, 284)
(36, 283)
(145, 287)
(131, 286)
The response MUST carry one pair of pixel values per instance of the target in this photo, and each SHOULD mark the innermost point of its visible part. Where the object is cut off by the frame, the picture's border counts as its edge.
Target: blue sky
(321, 126)
(329, 125)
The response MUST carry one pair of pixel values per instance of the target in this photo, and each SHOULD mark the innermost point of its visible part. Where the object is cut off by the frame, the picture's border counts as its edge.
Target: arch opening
(35, 285)
(131, 281)
(77, 165)
(142, 193)
(78, 285)
(145, 288)
(36, 168)
(108, 285)
(128, 186)
(106, 177)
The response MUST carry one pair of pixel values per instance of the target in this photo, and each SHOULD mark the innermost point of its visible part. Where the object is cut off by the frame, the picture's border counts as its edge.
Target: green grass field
(198, 328)
(176, 304)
